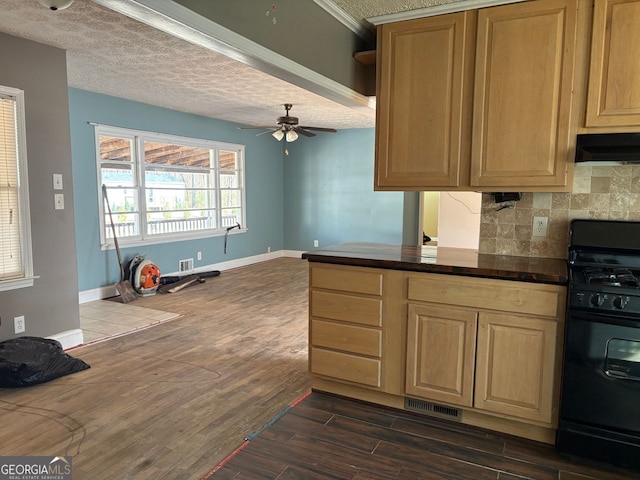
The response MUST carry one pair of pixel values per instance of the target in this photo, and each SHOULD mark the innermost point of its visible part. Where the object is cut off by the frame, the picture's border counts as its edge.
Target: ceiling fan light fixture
(287, 128)
(55, 4)
(292, 136)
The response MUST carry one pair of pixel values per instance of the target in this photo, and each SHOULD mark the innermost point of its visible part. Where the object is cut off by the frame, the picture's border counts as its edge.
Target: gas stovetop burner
(611, 277)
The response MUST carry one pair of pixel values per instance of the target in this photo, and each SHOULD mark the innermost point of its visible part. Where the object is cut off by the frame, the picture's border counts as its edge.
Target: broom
(124, 288)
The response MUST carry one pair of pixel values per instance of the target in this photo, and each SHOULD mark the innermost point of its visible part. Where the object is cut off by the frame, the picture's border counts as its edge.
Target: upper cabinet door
(425, 69)
(614, 77)
(523, 94)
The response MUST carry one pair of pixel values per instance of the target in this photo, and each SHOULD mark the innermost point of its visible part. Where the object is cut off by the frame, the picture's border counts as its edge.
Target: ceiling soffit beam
(179, 21)
(457, 6)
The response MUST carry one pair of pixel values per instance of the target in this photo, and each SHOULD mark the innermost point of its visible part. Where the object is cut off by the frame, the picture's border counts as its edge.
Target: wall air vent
(185, 265)
(433, 409)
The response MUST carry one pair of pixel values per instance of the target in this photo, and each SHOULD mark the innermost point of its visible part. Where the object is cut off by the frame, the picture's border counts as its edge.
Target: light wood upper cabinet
(523, 94)
(614, 78)
(478, 100)
(424, 101)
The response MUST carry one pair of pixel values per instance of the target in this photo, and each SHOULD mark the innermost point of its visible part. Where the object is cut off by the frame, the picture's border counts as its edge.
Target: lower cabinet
(354, 337)
(508, 367)
(502, 362)
(491, 349)
(516, 365)
(441, 345)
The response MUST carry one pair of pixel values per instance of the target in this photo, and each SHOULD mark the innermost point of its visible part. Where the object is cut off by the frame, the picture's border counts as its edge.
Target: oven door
(601, 372)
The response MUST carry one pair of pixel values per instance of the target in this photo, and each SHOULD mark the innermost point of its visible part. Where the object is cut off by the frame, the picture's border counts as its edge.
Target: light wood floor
(172, 401)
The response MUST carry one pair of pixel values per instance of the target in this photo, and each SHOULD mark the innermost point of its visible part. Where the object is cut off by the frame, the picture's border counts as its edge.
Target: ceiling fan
(288, 127)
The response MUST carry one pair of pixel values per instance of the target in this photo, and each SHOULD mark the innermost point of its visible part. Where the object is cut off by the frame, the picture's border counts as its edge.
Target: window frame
(26, 279)
(138, 138)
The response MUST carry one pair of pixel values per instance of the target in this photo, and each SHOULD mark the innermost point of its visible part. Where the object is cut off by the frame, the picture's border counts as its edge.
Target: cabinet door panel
(440, 354)
(523, 94)
(422, 101)
(516, 365)
(614, 80)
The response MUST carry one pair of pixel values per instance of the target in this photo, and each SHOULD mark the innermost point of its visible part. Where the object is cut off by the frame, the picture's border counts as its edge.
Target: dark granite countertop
(452, 261)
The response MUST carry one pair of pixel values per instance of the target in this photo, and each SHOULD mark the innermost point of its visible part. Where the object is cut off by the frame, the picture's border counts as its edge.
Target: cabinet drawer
(348, 338)
(362, 310)
(345, 366)
(504, 295)
(368, 281)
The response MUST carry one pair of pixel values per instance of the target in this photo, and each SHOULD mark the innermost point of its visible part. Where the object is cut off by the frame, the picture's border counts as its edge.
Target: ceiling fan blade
(271, 130)
(302, 131)
(320, 129)
(247, 127)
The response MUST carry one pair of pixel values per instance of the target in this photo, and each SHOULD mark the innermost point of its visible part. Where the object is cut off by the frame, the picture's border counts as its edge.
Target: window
(16, 269)
(164, 188)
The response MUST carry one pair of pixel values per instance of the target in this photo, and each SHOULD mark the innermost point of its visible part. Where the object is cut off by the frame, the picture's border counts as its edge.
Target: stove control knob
(596, 300)
(620, 302)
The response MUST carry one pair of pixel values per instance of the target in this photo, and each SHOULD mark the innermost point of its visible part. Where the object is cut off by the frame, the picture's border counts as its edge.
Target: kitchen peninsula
(471, 337)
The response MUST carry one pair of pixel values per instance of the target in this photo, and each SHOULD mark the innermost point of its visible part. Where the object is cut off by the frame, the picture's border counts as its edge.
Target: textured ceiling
(113, 54)
(363, 9)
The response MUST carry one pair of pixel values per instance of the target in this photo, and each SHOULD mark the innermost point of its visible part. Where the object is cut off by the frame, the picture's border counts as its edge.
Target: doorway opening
(450, 219)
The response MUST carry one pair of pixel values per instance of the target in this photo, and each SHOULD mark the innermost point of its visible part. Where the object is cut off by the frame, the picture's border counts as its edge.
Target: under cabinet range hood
(608, 147)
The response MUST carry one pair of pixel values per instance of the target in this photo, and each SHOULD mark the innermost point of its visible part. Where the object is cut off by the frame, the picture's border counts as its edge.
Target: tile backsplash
(599, 192)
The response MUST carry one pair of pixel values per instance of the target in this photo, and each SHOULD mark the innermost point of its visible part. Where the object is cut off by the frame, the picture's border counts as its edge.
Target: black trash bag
(26, 361)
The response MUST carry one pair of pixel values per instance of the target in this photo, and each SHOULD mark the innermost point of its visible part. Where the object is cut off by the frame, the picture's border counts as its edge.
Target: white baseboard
(69, 339)
(97, 294)
(110, 290)
(293, 253)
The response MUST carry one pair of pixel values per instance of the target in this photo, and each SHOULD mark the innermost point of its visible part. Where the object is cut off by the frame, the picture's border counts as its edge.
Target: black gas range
(600, 398)
(600, 283)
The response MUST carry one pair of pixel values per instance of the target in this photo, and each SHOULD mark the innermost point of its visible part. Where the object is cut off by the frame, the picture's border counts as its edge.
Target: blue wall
(323, 190)
(264, 182)
(329, 196)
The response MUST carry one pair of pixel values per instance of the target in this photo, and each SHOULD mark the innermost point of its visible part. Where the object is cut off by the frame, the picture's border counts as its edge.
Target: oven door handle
(621, 375)
(609, 319)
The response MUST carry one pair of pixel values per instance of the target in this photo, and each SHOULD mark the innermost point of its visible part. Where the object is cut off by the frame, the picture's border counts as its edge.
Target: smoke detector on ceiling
(56, 4)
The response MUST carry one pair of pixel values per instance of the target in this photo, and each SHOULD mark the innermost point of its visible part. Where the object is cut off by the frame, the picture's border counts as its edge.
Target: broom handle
(113, 229)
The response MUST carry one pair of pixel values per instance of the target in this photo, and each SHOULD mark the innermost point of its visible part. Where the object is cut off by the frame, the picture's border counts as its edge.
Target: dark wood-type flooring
(328, 437)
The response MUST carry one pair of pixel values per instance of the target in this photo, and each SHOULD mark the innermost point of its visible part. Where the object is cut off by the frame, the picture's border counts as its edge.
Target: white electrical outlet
(315, 243)
(58, 201)
(19, 324)
(540, 226)
(199, 255)
(268, 249)
(57, 181)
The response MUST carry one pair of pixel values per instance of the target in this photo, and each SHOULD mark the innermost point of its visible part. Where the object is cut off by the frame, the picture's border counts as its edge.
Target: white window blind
(15, 248)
